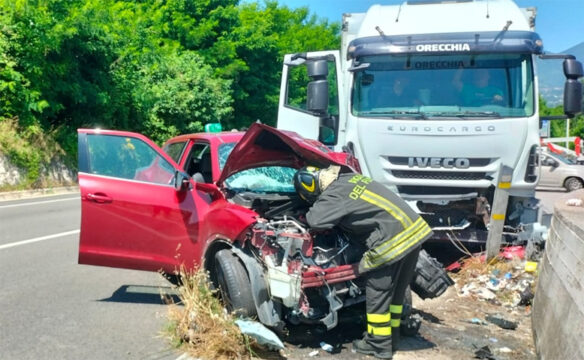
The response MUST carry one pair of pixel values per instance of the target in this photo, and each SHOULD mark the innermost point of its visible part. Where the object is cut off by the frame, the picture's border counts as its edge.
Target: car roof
(220, 137)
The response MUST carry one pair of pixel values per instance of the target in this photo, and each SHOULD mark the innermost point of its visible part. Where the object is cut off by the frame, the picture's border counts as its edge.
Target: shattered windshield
(266, 179)
(421, 87)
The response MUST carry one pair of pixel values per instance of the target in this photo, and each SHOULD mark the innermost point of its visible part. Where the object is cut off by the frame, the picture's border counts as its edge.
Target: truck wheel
(234, 284)
(572, 184)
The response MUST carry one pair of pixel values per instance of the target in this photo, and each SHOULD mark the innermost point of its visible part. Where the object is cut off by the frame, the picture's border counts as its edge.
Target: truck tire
(572, 184)
(234, 284)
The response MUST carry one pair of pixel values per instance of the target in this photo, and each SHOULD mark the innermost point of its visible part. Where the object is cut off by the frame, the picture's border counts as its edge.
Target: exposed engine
(313, 275)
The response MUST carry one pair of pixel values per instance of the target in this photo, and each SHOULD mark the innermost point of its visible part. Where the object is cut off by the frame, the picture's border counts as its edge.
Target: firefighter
(372, 215)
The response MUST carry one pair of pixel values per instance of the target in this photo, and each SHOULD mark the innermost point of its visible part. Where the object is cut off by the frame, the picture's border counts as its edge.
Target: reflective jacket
(369, 213)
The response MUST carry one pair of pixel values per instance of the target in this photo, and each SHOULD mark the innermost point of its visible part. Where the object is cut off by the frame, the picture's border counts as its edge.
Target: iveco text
(447, 163)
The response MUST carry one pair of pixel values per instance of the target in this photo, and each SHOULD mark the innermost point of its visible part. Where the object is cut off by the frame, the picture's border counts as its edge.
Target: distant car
(224, 202)
(561, 171)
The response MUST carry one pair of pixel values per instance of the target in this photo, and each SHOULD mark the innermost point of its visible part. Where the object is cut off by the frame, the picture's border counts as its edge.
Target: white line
(38, 202)
(42, 238)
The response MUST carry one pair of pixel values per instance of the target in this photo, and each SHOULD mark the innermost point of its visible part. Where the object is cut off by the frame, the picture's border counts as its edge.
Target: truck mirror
(573, 69)
(317, 96)
(317, 69)
(572, 97)
(573, 87)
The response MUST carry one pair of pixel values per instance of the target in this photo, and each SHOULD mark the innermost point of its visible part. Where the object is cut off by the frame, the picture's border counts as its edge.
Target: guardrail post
(498, 211)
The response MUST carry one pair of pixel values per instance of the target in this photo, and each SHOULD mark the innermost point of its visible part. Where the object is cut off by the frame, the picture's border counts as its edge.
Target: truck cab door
(134, 213)
(301, 86)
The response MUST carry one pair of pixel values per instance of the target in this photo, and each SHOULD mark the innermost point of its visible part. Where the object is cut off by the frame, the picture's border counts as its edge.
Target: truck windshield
(444, 86)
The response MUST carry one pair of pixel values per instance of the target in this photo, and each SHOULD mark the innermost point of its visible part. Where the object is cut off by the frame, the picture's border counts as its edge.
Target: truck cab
(439, 101)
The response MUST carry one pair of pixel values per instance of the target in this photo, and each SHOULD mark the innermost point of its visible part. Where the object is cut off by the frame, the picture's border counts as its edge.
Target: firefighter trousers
(384, 293)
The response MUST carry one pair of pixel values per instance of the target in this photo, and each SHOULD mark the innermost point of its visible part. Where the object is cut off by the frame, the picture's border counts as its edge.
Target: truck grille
(439, 175)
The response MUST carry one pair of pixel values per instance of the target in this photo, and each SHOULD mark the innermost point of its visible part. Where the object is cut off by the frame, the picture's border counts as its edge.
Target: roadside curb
(26, 194)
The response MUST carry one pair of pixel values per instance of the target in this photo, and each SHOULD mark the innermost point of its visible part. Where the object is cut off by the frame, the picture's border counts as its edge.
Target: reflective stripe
(396, 309)
(396, 251)
(397, 239)
(388, 206)
(379, 331)
(378, 318)
(498, 216)
(397, 245)
(504, 185)
(395, 322)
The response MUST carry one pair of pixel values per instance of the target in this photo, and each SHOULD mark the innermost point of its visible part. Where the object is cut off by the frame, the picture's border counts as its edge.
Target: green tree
(558, 127)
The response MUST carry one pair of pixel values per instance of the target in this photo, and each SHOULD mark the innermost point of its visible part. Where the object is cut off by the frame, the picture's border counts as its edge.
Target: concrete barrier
(558, 307)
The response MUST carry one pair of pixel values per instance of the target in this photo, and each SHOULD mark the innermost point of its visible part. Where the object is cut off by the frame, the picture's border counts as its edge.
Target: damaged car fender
(269, 312)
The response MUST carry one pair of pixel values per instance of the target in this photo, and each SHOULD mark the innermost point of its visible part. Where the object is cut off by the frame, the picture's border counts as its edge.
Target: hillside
(551, 76)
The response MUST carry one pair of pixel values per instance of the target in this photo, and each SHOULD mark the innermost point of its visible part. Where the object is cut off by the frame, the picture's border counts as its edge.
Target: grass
(199, 324)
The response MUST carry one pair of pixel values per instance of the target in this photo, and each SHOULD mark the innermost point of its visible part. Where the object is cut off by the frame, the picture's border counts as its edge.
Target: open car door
(132, 214)
(311, 96)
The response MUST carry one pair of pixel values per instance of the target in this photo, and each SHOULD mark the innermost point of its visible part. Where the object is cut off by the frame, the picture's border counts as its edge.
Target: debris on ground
(501, 322)
(484, 353)
(260, 333)
(507, 280)
(326, 347)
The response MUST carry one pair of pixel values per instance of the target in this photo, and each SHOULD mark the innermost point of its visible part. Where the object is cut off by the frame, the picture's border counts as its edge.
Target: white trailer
(439, 101)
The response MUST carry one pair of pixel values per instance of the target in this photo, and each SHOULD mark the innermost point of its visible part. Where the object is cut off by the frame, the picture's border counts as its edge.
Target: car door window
(199, 160)
(175, 150)
(127, 158)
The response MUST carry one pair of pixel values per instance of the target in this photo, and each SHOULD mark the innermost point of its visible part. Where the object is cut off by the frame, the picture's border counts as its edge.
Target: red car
(225, 202)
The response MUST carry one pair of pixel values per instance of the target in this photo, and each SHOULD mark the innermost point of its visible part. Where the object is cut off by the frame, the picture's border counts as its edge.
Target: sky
(560, 23)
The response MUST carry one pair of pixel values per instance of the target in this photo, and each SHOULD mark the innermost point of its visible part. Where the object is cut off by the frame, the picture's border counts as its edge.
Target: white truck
(439, 101)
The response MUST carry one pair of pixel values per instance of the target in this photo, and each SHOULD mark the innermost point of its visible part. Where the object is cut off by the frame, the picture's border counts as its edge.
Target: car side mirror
(181, 181)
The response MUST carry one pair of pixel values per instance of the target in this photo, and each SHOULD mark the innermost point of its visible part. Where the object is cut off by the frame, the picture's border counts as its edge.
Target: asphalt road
(53, 308)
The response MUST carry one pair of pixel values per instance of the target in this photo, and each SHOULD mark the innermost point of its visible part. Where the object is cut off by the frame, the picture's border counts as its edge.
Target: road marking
(38, 202)
(42, 238)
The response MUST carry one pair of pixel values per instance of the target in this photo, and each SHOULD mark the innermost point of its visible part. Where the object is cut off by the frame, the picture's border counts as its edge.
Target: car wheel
(234, 284)
(572, 184)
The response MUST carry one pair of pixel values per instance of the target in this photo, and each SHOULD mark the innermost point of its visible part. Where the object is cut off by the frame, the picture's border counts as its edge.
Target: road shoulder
(28, 194)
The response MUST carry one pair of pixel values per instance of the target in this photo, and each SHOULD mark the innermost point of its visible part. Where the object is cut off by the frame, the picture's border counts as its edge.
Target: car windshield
(266, 179)
(442, 87)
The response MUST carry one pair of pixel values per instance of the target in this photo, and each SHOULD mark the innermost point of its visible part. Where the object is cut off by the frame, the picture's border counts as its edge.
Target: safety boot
(365, 347)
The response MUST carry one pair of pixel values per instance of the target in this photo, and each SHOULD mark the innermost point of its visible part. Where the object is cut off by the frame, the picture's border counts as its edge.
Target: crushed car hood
(263, 145)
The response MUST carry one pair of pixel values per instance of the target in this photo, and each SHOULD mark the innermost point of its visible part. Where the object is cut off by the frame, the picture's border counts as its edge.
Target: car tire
(234, 284)
(572, 184)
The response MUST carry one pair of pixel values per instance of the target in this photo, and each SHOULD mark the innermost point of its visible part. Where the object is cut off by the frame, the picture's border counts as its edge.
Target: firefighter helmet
(306, 183)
